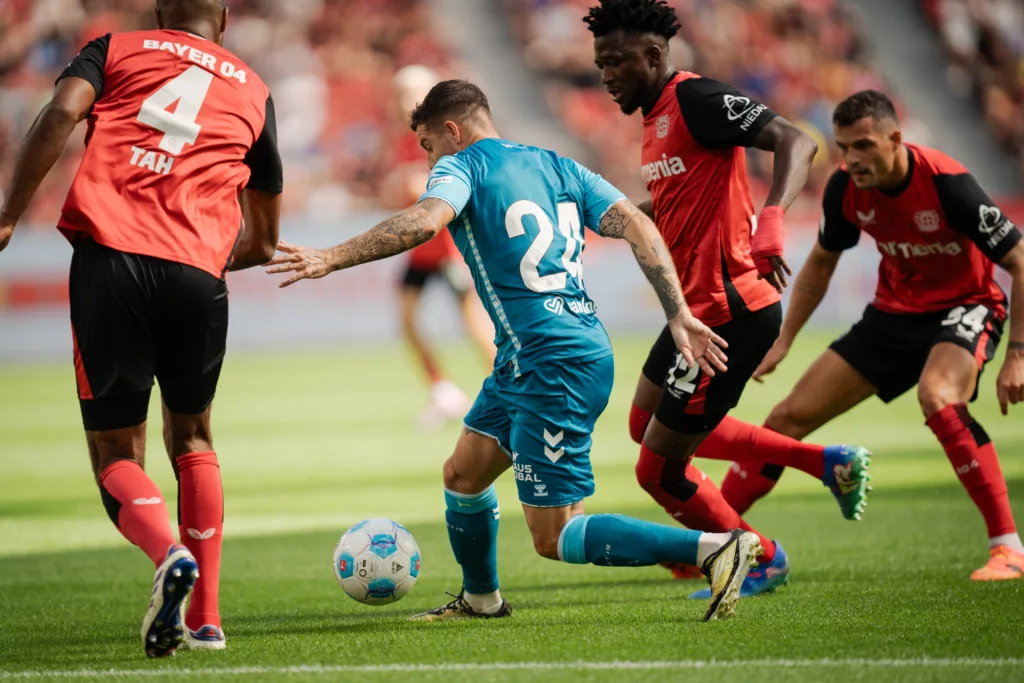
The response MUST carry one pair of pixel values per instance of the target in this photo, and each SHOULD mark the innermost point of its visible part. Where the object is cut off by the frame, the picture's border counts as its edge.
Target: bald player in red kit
(180, 182)
(695, 134)
(936, 319)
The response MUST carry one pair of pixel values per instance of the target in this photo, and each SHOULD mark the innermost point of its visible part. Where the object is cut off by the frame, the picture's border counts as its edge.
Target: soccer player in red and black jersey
(695, 134)
(180, 182)
(936, 319)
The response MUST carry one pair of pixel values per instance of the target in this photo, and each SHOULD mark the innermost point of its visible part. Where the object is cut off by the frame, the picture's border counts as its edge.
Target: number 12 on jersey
(568, 225)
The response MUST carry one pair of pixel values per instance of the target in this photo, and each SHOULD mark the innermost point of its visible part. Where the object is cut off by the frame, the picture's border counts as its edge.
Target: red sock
(201, 521)
(974, 459)
(747, 443)
(638, 421)
(747, 483)
(690, 497)
(136, 508)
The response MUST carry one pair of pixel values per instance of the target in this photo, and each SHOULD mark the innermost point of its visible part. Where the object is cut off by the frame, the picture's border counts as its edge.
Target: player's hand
(766, 248)
(699, 344)
(5, 235)
(771, 360)
(776, 276)
(1010, 382)
(306, 263)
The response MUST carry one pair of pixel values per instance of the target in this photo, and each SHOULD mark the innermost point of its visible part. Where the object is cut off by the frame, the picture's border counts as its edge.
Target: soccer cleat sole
(741, 559)
(163, 628)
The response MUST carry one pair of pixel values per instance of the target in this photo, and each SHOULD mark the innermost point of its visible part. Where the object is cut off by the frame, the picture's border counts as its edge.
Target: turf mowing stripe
(925, 662)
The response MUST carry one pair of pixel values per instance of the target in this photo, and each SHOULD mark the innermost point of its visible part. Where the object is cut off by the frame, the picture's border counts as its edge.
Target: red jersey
(433, 255)
(172, 138)
(695, 168)
(939, 235)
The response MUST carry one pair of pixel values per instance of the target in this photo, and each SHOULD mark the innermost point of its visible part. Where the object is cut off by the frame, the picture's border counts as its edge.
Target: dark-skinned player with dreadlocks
(731, 266)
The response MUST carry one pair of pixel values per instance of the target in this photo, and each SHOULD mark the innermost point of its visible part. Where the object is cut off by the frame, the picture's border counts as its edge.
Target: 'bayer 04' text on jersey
(179, 127)
(939, 235)
(520, 213)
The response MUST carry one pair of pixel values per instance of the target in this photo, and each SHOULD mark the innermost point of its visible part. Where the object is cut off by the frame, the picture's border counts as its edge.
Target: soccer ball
(377, 562)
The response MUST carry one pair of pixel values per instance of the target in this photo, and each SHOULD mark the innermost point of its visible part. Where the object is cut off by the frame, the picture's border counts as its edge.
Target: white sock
(1012, 540)
(488, 603)
(708, 544)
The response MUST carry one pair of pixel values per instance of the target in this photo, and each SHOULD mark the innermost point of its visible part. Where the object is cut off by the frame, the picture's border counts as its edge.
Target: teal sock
(473, 533)
(619, 541)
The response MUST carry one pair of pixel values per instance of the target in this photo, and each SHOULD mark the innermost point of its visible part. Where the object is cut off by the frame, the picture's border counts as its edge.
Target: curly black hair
(633, 16)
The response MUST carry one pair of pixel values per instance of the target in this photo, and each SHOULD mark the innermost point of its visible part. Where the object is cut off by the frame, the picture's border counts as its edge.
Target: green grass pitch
(314, 441)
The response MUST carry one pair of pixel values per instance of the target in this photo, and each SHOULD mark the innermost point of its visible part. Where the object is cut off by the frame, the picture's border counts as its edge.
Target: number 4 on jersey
(189, 90)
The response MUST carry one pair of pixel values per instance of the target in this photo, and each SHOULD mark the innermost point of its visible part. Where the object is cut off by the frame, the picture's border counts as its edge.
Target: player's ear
(452, 132)
(897, 138)
(654, 55)
(223, 25)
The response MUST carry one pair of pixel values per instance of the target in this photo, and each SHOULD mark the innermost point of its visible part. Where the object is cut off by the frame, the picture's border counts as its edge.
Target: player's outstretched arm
(695, 340)
(401, 232)
(42, 147)
(794, 152)
(1010, 382)
(808, 291)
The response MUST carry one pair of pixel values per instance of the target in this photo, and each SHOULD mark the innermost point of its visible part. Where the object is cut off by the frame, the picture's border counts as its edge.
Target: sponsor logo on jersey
(664, 168)
(525, 473)
(662, 124)
(992, 222)
(438, 180)
(927, 220)
(540, 491)
(916, 250)
(739, 107)
(555, 305)
(867, 218)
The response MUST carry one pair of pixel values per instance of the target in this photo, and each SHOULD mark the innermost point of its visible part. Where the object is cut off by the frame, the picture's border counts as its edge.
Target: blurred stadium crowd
(341, 90)
(985, 43)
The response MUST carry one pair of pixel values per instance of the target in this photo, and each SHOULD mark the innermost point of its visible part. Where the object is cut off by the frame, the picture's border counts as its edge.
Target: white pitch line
(925, 662)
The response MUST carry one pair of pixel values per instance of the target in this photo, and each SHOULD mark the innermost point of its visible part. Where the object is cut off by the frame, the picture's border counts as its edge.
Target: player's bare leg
(137, 508)
(447, 400)
(947, 383)
(479, 327)
(472, 515)
(828, 388)
(189, 443)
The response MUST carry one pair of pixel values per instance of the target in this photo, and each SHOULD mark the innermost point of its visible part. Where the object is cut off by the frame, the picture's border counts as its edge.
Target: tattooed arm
(695, 340)
(401, 232)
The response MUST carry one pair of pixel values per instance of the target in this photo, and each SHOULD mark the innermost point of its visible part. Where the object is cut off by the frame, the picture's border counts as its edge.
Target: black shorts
(693, 403)
(891, 349)
(449, 271)
(134, 318)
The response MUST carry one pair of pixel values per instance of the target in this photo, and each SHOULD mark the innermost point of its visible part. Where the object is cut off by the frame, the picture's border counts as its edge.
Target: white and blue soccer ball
(377, 562)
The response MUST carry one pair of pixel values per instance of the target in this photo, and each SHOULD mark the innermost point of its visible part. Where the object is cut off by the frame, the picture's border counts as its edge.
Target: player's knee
(790, 419)
(188, 436)
(546, 545)
(638, 421)
(933, 396)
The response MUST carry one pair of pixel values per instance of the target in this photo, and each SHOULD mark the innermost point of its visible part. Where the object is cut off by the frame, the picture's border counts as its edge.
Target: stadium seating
(339, 127)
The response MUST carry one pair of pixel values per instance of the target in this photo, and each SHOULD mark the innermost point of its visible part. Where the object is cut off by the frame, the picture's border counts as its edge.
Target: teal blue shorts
(544, 420)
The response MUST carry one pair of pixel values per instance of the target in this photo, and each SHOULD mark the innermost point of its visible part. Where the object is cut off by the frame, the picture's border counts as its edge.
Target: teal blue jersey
(519, 217)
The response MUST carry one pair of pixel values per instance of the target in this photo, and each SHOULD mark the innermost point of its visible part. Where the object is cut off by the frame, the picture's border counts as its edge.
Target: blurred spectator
(801, 57)
(331, 76)
(985, 43)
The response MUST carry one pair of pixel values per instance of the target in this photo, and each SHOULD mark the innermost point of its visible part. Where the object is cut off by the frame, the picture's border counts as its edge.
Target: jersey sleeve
(90, 64)
(969, 210)
(837, 233)
(450, 182)
(598, 195)
(718, 115)
(266, 172)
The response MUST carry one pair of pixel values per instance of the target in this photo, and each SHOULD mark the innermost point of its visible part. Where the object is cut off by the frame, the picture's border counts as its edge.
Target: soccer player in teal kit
(517, 215)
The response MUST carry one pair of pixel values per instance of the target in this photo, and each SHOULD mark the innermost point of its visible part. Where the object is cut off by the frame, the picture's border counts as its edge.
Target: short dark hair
(864, 104)
(633, 16)
(449, 98)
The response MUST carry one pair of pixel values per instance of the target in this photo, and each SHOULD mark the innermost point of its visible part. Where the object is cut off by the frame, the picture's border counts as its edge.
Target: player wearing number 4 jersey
(181, 145)
(517, 214)
(695, 134)
(936, 319)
